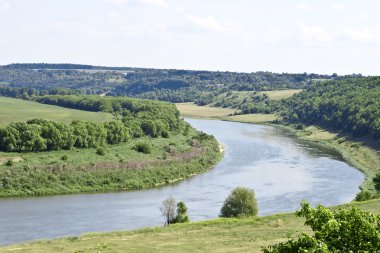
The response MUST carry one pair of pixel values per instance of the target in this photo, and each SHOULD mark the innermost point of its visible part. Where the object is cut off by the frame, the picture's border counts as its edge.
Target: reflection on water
(281, 170)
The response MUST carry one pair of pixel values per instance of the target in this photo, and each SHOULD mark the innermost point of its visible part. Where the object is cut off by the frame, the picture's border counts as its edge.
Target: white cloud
(313, 32)
(337, 7)
(117, 2)
(362, 34)
(160, 3)
(5, 6)
(303, 7)
(211, 24)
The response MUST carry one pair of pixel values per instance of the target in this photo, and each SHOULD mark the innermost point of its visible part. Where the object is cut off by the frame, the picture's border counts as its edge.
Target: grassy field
(195, 111)
(206, 112)
(12, 110)
(220, 235)
(280, 94)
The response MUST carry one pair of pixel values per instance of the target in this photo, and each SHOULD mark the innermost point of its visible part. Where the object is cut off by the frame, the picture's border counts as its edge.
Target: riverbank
(360, 153)
(119, 168)
(218, 235)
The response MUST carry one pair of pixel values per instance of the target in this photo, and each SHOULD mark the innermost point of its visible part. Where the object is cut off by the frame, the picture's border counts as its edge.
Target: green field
(12, 110)
(192, 110)
(220, 235)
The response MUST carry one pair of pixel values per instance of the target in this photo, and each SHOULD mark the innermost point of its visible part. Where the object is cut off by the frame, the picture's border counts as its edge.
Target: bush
(240, 202)
(100, 151)
(344, 230)
(363, 195)
(143, 147)
(181, 216)
(9, 163)
(376, 181)
(64, 158)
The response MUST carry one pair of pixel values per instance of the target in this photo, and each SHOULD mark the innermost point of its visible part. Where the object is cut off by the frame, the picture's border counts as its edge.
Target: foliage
(348, 104)
(181, 216)
(345, 230)
(158, 84)
(376, 181)
(240, 202)
(64, 158)
(143, 147)
(363, 195)
(100, 151)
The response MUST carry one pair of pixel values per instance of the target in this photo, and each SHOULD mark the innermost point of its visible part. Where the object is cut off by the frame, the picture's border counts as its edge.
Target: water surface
(280, 169)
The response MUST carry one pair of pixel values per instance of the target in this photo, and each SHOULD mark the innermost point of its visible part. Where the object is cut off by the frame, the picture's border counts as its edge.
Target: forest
(351, 105)
(157, 84)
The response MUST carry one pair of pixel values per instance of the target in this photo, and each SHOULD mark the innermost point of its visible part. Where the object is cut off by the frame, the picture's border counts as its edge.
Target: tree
(240, 202)
(168, 210)
(344, 230)
(181, 216)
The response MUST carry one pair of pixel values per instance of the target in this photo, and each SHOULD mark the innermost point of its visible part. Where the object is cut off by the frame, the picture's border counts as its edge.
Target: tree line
(351, 105)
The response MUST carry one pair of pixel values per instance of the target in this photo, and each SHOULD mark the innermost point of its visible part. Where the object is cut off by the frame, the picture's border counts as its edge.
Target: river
(279, 168)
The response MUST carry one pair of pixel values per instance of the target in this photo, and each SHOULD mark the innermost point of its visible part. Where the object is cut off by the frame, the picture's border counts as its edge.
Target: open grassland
(206, 112)
(194, 111)
(12, 110)
(219, 235)
(280, 94)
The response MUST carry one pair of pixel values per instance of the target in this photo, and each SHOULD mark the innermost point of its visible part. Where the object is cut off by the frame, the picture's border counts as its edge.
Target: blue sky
(322, 36)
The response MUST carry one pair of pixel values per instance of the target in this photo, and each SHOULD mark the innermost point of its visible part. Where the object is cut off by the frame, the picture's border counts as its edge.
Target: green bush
(143, 147)
(181, 216)
(9, 163)
(64, 158)
(363, 195)
(376, 181)
(344, 230)
(100, 151)
(241, 202)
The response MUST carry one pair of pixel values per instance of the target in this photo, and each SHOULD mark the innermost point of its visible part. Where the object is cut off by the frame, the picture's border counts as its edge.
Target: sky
(315, 36)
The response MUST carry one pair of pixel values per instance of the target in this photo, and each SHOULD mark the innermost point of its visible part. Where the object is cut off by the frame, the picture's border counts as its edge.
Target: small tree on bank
(240, 202)
(173, 212)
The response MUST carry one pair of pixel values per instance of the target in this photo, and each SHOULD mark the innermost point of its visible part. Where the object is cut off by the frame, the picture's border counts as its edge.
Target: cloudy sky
(320, 36)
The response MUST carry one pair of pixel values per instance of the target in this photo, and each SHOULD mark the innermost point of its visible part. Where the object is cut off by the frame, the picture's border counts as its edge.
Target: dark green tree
(241, 202)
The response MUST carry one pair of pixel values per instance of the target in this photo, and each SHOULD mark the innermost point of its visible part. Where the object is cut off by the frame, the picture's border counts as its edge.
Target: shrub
(64, 158)
(100, 151)
(9, 163)
(240, 202)
(376, 181)
(181, 216)
(363, 195)
(344, 230)
(143, 147)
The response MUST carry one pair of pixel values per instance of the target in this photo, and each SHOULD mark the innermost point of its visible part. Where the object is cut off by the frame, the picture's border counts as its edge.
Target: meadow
(12, 110)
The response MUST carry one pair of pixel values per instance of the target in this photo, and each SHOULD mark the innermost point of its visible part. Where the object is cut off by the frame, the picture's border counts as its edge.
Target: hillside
(157, 84)
(12, 110)
(220, 235)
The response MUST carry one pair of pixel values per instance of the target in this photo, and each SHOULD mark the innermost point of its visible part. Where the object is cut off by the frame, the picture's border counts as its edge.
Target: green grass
(12, 110)
(280, 94)
(219, 235)
(192, 110)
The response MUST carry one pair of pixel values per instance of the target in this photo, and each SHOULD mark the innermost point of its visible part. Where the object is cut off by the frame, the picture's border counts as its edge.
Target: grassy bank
(13, 110)
(219, 235)
(120, 168)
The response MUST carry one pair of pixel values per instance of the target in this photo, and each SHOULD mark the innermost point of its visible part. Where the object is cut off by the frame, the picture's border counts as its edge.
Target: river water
(279, 168)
